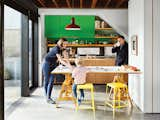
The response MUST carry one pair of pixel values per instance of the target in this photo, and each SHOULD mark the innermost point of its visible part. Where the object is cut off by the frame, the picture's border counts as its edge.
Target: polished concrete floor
(36, 108)
(11, 92)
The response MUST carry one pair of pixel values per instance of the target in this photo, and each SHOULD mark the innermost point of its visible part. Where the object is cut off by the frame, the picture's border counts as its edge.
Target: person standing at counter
(121, 50)
(50, 63)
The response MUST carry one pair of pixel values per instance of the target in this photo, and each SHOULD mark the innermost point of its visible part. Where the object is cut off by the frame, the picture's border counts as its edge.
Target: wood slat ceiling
(94, 4)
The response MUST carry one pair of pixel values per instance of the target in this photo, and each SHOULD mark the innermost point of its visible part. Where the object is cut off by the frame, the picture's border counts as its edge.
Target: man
(50, 63)
(121, 49)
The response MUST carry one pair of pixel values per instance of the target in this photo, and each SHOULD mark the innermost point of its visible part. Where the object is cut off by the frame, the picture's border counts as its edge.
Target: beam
(93, 3)
(81, 3)
(24, 6)
(107, 3)
(35, 54)
(68, 3)
(120, 3)
(55, 3)
(41, 2)
(25, 56)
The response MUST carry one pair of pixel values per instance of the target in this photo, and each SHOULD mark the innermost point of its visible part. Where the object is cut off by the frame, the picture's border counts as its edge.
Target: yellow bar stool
(118, 96)
(90, 87)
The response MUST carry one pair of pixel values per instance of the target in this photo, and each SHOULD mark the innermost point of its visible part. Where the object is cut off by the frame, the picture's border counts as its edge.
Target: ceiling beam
(81, 3)
(68, 3)
(41, 3)
(93, 3)
(107, 3)
(119, 3)
(55, 3)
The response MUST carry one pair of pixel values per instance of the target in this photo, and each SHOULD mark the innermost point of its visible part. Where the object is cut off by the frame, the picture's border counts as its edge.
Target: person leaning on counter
(121, 49)
(50, 63)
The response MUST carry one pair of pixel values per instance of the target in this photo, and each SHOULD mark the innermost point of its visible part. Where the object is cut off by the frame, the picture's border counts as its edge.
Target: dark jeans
(48, 78)
(74, 88)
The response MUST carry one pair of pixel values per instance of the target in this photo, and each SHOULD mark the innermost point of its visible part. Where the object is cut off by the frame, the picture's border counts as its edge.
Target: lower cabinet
(102, 78)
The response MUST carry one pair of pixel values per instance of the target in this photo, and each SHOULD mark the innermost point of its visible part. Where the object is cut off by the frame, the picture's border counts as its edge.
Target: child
(79, 75)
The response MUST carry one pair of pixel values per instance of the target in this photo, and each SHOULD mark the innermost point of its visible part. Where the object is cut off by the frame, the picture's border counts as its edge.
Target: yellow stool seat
(85, 86)
(119, 90)
(91, 88)
(116, 85)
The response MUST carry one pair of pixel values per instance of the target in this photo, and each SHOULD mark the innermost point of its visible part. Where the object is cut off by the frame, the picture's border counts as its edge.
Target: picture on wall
(134, 45)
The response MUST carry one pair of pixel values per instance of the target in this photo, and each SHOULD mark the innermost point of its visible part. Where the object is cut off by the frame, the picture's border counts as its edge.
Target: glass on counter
(81, 42)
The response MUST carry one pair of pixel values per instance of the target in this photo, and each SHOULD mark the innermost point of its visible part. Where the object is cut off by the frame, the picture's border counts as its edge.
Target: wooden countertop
(84, 45)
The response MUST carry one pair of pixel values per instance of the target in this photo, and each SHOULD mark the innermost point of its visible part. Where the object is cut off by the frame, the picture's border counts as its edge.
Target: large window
(12, 55)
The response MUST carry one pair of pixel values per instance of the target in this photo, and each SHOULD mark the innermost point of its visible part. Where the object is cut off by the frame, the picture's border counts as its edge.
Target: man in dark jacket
(121, 49)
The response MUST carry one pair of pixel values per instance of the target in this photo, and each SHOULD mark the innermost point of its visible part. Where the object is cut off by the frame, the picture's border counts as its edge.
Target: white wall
(136, 27)
(144, 17)
(156, 56)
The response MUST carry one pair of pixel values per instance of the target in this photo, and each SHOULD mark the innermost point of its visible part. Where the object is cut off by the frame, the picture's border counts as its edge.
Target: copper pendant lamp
(72, 26)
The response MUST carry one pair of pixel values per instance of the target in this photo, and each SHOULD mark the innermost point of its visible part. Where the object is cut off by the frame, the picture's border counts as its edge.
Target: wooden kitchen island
(101, 78)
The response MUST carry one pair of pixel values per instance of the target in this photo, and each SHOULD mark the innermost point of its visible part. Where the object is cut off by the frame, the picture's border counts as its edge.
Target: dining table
(66, 89)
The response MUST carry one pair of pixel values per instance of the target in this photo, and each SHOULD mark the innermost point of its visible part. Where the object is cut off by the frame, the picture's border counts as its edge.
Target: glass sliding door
(12, 56)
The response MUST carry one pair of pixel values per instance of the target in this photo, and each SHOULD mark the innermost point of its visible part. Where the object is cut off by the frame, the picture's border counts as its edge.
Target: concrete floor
(11, 92)
(36, 108)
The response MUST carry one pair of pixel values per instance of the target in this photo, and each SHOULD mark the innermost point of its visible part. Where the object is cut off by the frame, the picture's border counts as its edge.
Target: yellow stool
(119, 97)
(86, 86)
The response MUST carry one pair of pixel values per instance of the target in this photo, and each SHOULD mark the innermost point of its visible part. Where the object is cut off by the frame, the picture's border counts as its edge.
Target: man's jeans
(48, 78)
(74, 88)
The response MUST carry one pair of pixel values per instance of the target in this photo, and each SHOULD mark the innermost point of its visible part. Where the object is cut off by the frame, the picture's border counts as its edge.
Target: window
(12, 56)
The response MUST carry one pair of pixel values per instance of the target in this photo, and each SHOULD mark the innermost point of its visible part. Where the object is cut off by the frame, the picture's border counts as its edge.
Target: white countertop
(96, 69)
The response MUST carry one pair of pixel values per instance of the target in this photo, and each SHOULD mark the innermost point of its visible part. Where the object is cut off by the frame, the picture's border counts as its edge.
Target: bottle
(102, 24)
(97, 24)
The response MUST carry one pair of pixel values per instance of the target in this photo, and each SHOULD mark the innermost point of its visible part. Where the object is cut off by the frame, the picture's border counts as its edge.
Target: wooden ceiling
(94, 4)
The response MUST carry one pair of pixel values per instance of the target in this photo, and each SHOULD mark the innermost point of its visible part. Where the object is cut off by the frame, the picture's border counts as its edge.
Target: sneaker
(50, 101)
(79, 101)
(82, 98)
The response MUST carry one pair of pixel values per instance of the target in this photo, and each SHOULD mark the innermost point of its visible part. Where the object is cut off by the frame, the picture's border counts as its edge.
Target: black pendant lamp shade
(72, 26)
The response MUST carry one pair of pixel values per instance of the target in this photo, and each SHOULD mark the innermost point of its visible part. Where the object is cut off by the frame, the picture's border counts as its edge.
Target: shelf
(103, 29)
(84, 45)
(106, 37)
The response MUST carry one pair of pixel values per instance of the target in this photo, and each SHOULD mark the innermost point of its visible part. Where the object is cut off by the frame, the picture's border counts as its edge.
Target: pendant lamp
(72, 26)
